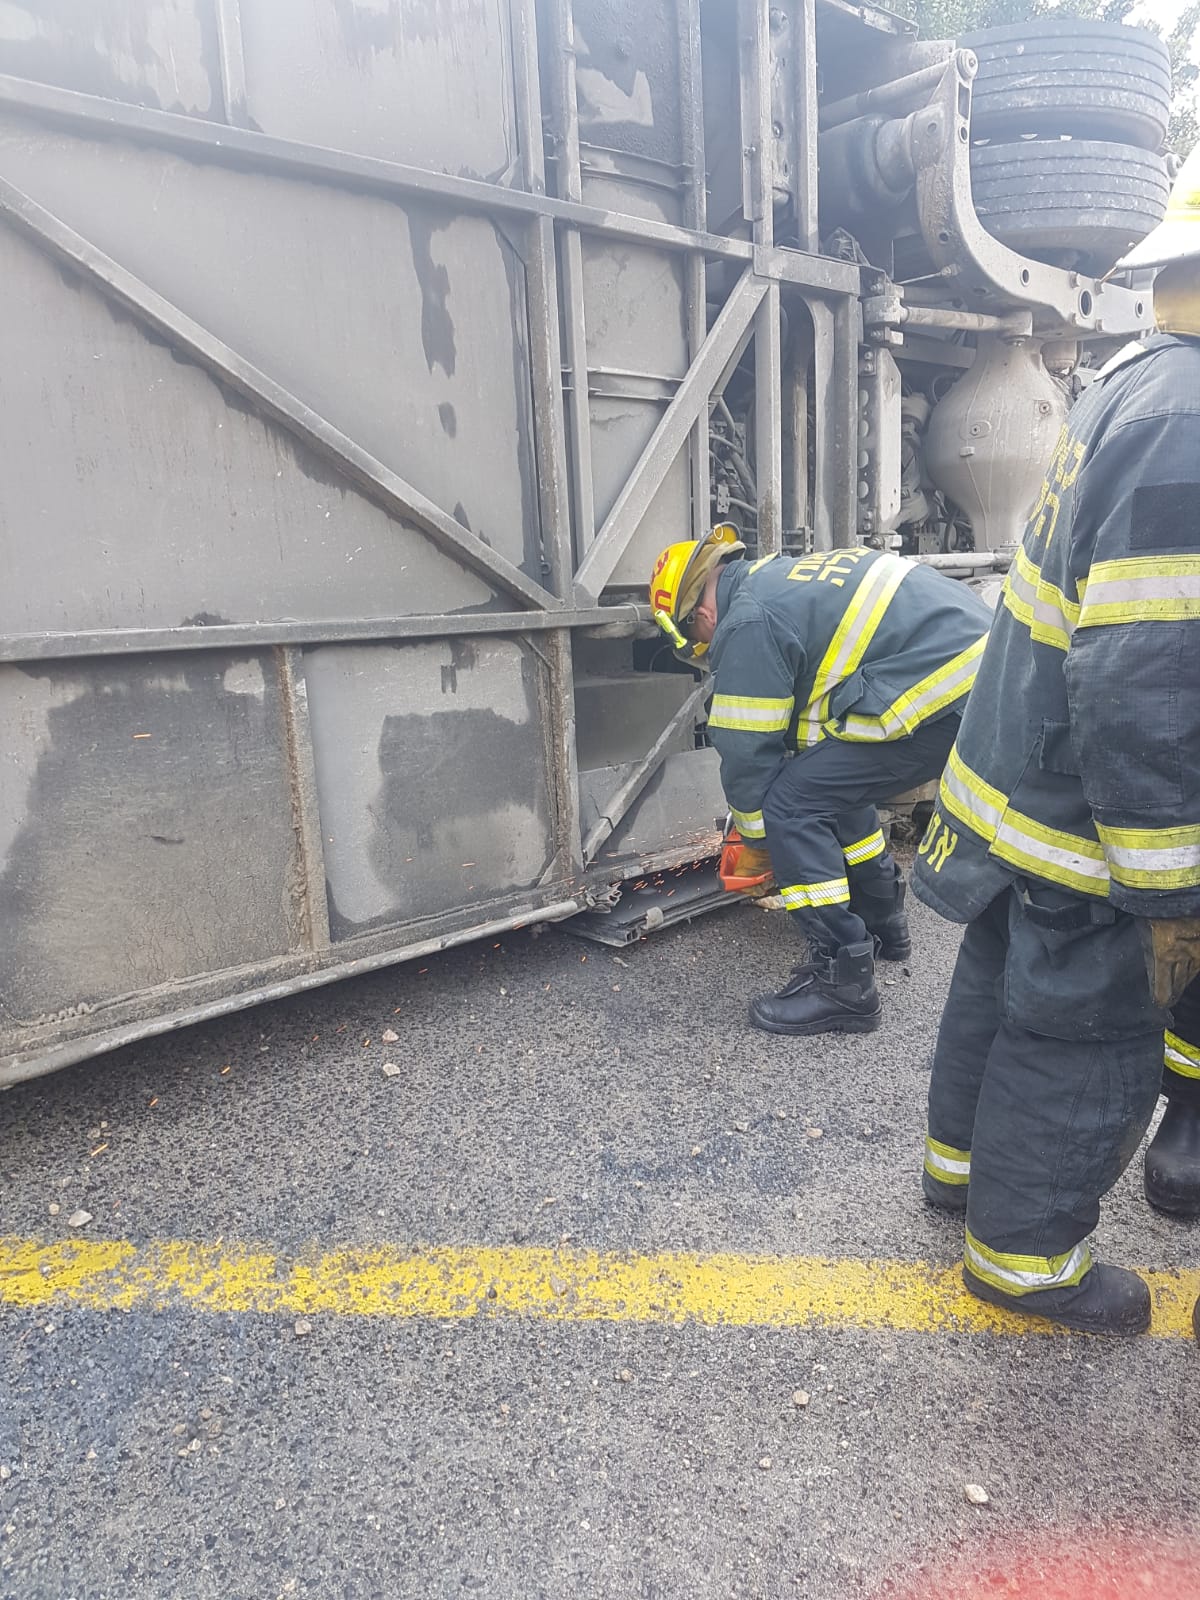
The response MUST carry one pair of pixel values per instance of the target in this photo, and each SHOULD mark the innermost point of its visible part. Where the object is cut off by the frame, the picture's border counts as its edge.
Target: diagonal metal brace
(621, 802)
(380, 484)
(729, 334)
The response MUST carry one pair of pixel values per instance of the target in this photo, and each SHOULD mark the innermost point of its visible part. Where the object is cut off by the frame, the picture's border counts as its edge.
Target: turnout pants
(1046, 1073)
(822, 830)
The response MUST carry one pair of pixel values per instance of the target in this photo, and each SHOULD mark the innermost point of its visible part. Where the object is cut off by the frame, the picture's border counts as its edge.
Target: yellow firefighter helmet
(678, 580)
(1177, 237)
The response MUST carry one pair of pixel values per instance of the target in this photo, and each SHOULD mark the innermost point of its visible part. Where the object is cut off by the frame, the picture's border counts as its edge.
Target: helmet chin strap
(689, 649)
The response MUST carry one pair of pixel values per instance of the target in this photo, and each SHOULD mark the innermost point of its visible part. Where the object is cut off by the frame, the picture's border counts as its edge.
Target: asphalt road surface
(182, 1415)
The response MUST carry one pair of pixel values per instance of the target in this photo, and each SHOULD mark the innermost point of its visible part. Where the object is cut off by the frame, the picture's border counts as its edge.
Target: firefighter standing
(1067, 837)
(838, 682)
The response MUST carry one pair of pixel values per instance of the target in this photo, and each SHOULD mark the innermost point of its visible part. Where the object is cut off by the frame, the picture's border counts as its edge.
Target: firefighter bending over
(838, 683)
(1067, 838)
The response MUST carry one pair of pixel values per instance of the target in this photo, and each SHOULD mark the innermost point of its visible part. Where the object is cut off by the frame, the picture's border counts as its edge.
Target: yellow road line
(559, 1285)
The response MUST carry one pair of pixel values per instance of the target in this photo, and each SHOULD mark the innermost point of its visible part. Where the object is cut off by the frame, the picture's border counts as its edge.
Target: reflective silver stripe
(1062, 857)
(970, 807)
(934, 693)
(750, 714)
(1161, 595)
(833, 892)
(860, 621)
(1039, 604)
(1149, 860)
(945, 1162)
(749, 823)
(1018, 1274)
(1074, 863)
(866, 849)
(1153, 858)
(1180, 1056)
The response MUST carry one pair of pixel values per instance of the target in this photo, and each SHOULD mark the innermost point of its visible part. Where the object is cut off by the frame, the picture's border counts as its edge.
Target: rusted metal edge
(379, 482)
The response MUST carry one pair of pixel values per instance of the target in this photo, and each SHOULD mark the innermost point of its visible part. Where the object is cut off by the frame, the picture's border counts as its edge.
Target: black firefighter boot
(886, 918)
(1172, 1170)
(1107, 1300)
(830, 993)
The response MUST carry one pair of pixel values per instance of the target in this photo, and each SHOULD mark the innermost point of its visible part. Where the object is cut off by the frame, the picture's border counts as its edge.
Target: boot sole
(832, 1025)
(1172, 1205)
(1127, 1329)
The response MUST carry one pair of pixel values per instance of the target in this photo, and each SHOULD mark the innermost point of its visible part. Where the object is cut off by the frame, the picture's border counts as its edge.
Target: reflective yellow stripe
(761, 562)
(1180, 1056)
(1017, 1274)
(925, 699)
(1141, 589)
(851, 640)
(749, 823)
(1051, 853)
(945, 1163)
(1042, 607)
(745, 713)
(1152, 858)
(866, 849)
(834, 892)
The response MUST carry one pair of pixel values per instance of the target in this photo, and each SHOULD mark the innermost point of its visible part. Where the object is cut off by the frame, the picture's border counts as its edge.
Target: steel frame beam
(696, 214)
(1063, 303)
(619, 803)
(248, 150)
(542, 299)
(758, 125)
(565, 126)
(18, 647)
(308, 891)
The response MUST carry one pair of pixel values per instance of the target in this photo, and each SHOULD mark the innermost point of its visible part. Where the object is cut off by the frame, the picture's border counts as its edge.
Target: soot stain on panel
(92, 906)
(437, 325)
(113, 49)
(453, 773)
(448, 418)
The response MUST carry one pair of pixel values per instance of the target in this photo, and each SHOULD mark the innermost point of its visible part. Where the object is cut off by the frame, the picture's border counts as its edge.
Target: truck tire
(1089, 80)
(1070, 202)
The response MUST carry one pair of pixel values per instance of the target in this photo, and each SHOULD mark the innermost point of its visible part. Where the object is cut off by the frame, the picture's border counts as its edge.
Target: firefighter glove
(752, 863)
(1172, 947)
